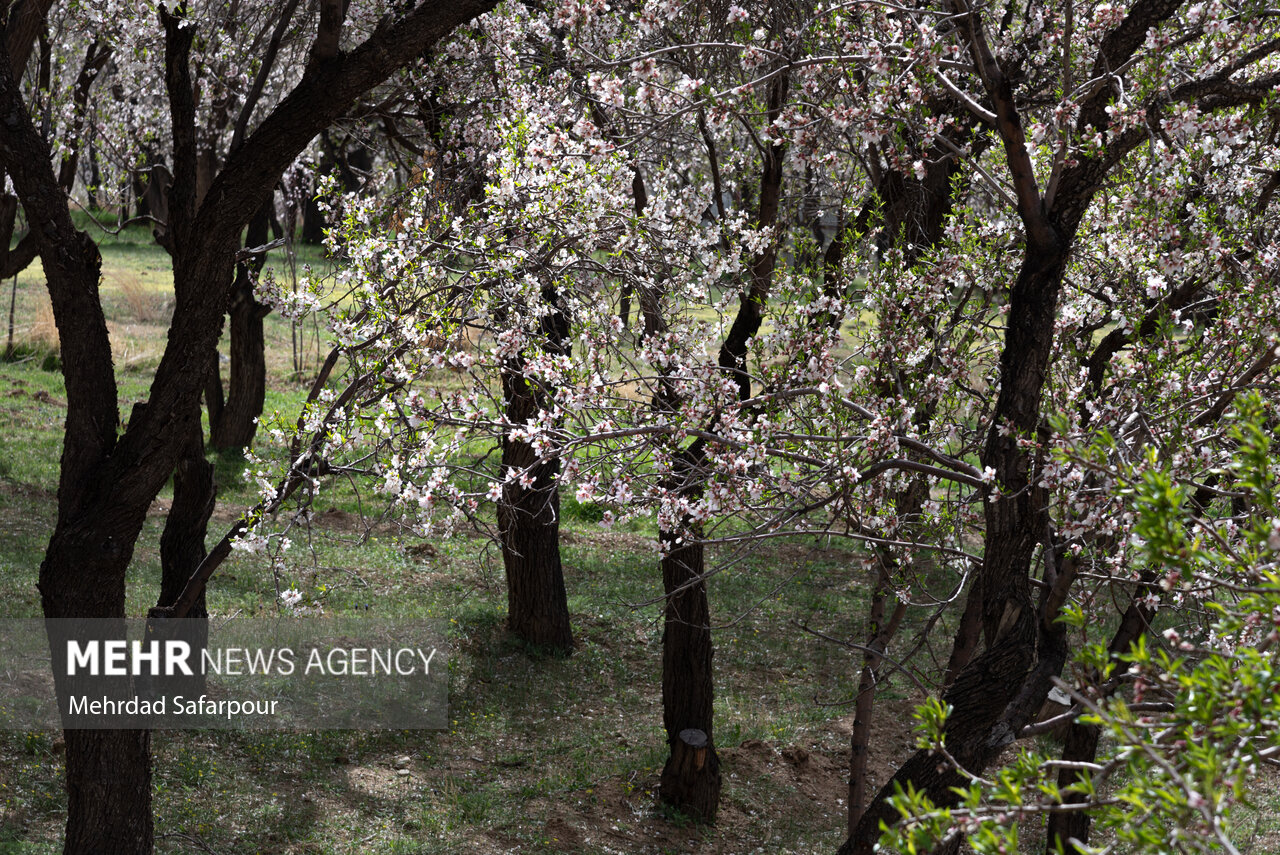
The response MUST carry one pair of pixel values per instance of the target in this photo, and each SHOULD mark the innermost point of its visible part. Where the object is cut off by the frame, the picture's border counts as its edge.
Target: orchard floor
(543, 754)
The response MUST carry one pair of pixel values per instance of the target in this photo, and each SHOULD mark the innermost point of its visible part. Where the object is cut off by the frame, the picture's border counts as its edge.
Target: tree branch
(264, 71)
(1009, 125)
(333, 14)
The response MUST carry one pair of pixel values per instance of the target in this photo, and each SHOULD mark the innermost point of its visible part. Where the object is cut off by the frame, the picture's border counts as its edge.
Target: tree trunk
(968, 634)
(1081, 745)
(95, 171)
(691, 777)
(864, 707)
(182, 545)
(529, 522)
(687, 677)
(313, 222)
(233, 422)
(529, 518)
(879, 636)
(990, 682)
(108, 792)
(108, 772)
(349, 162)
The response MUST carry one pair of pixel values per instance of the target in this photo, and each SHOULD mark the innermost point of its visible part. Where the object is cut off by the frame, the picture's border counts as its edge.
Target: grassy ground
(542, 755)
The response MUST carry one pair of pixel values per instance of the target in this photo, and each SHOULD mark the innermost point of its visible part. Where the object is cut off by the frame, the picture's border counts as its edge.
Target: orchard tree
(1097, 132)
(574, 225)
(111, 473)
(1187, 714)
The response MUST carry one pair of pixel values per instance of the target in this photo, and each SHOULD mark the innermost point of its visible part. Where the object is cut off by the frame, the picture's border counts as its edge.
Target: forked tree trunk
(234, 422)
(691, 777)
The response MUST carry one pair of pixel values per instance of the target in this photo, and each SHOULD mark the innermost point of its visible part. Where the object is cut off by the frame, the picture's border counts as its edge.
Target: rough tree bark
(690, 781)
(108, 772)
(182, 544)
(986, 686)
(529, 516)
(691, 776)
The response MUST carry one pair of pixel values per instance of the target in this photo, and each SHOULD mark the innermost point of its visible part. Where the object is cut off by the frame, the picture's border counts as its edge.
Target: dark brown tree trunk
(95, 59)
(990, 682)
(108, 792)
(233, 422)
(95, 170)
(182, 545)
(691, 777)
(1081, 744)
(108, 772)
(529, 511)
(879, 636)
(83, 571)
(349, 162)
(968, 634)
(529, 523)
(313, 222)
(864, 705)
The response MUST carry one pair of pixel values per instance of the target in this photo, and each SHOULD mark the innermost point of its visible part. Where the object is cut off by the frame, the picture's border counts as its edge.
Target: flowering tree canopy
(989, 292)
(893, 268)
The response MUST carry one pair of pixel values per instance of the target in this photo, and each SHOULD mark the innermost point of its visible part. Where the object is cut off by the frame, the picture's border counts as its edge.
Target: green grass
(534, 743)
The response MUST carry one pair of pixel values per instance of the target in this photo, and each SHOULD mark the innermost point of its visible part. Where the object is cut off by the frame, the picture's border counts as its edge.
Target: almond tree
(110, 474)
(1120, 100)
